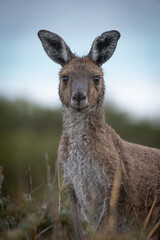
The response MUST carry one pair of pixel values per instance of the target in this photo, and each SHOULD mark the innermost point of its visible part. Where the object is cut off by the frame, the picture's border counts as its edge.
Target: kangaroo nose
(79, 97)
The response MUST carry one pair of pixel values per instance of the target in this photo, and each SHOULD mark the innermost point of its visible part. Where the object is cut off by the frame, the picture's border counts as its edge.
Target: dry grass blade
(59, 192)
(51, 185)
(48, 172)
(44, 230)
(128, 192)
(110, 226)
(153, 230)
(47, 210)
(31, 193)
(149, 214)
(92, 205)
(92, 199)
(114, 199)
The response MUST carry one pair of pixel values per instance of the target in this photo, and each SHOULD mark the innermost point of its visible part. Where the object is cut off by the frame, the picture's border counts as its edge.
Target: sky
(132, 75)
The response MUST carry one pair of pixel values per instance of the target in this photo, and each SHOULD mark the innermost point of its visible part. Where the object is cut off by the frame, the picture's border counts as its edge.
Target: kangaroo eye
(96, 80)
(65, 80)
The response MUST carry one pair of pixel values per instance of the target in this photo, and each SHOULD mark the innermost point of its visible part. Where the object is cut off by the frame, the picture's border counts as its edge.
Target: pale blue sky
(132, 75)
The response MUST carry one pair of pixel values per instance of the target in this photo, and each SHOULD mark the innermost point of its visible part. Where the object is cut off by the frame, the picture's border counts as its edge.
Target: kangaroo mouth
(80, 108)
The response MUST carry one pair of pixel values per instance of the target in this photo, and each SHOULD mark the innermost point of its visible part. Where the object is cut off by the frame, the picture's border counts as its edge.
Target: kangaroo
(90, 151)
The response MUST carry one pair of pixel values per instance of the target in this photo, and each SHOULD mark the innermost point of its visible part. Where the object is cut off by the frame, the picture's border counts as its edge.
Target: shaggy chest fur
(83, 173)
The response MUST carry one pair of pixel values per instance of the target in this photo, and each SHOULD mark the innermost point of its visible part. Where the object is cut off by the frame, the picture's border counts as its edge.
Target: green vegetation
(27, 133)
(29, 136)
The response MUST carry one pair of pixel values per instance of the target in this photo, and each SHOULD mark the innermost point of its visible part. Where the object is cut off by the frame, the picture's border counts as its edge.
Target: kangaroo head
(81, 79)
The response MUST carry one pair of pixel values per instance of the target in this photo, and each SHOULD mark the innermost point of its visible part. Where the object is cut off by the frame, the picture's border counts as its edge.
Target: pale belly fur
(89, 181)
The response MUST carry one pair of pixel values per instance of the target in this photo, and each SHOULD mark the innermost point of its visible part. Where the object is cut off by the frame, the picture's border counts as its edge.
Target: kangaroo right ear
(104, 46)
(55, 47)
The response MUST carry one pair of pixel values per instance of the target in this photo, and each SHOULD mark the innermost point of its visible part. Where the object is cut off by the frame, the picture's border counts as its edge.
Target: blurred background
(30, 115)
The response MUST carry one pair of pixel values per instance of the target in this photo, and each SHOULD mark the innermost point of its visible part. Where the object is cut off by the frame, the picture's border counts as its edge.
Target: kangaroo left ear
(55, 47)
(104, 46)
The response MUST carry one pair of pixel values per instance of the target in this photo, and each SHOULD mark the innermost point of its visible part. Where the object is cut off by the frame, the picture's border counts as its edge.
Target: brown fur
(76, 70)
(88, 143)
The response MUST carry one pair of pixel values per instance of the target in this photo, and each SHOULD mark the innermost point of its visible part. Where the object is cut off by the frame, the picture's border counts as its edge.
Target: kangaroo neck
(91, 118)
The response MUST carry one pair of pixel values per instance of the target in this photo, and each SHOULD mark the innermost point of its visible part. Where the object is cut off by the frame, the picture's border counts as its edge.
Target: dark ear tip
(41, 33)
(112, 34)
(116, 34)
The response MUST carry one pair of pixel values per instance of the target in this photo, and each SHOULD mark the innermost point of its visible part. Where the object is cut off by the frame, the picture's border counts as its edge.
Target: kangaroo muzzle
(79, 100)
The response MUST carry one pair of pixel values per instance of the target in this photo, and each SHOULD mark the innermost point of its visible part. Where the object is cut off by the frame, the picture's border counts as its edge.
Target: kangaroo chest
(88, 179)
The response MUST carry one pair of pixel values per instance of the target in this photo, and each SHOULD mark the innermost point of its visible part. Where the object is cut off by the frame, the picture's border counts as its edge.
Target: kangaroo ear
(103, 47)
(55, 47)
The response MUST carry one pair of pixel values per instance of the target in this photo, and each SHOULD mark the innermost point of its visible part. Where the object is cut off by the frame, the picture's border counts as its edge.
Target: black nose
(79, 97)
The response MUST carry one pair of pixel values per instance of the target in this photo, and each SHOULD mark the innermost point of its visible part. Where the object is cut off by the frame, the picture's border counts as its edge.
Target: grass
(34, 217)
(49, 217)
